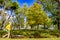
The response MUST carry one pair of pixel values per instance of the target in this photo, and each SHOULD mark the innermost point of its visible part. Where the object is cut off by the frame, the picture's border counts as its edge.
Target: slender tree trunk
(3, 14)
(38, 27)
(31, 27)
(44, 26)
(2, 24)
(58, 24)
(19, 22)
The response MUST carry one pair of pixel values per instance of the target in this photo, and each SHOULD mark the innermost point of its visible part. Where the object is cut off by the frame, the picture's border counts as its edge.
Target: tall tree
(8, 5)
(24, 11)
(52, 6)
(36, 16)
(58, 14)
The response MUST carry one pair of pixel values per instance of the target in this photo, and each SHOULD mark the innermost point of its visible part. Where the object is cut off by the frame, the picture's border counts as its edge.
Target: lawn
(31, 39)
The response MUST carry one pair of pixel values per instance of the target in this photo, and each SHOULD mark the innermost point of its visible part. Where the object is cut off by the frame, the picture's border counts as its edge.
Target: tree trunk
(3, 14)
(2, 24)
(58, 24)
(38, 27)
(45, 27)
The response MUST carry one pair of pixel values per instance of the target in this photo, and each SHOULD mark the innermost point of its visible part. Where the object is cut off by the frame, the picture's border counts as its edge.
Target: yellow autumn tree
(36, 15)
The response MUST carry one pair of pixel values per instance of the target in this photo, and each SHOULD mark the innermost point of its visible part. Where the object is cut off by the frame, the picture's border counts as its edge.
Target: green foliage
(34, 33)
(2, 33)
(49, 22)
(1, 2)
(37, 33)
(9, 4)
(52, 6)
(24, 9)
(36, 15)
(17, 11)
(15, 5)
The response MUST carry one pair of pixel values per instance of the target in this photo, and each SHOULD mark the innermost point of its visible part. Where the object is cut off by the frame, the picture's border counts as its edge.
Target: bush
(2, 33)
(34, 33)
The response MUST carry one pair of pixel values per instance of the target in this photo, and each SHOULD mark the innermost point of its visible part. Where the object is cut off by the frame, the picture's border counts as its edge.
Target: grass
(30, 39)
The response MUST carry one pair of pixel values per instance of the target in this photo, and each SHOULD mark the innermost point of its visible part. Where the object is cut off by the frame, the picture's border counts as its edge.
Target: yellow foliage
(31, 8)
(36, 15)
(38, 6)
(31, 22)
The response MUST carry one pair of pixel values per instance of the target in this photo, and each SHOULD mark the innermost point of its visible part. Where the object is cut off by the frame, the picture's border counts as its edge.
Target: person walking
(8, 28)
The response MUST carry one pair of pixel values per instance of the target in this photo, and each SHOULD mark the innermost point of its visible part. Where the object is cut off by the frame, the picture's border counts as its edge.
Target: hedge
(33, 33)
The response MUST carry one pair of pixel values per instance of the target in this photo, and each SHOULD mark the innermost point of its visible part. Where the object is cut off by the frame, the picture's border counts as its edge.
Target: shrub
(34, 33)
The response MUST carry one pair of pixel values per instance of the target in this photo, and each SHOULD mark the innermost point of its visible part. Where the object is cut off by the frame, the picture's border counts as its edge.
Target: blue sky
(28, 2)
